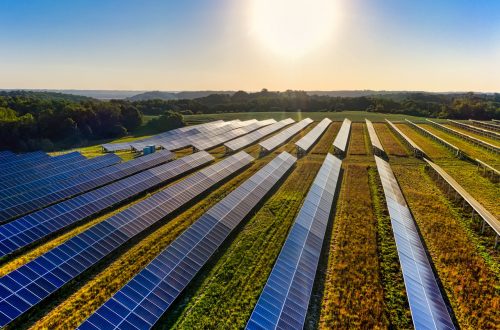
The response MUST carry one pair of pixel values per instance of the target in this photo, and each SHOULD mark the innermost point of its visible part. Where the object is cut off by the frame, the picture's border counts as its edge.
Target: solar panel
(340, 142)
(7, 154)
(414, 147)
(486, 124)
(456, 151)
(34, 226)
(482, 131)
(24, 159)
(306, 142)
(276, 140)
(87, 179)
(285, 299)
(27, 286)
(142, 301)
(376, 145)
(251, 138)
(427, 306)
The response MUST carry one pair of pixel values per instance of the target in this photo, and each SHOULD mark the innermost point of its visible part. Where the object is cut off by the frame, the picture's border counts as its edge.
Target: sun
(293, 28)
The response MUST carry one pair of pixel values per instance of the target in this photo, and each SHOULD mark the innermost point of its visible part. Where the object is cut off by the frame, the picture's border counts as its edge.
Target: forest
(47, 120)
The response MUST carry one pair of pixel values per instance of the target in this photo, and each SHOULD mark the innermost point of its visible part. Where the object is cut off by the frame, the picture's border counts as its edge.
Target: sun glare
(292, 28)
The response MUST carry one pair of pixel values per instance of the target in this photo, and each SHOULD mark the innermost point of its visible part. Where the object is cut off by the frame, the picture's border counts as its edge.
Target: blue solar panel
(44, 164)
(24, 159)
(428, 309)
(35, 281)
(32, 227)
(284, 301)
(142, 301)
(89, 177)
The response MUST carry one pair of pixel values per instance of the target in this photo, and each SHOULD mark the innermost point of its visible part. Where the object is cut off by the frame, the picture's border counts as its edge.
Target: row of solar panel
(27, 160)
(475, 129)
(427, 306)
(416, 149)
(340, 142)
(142, 301)
(376, 145)
(306, 142)
(246, 140)
(490, 125)
(285, 135)
(96, 173)
(34, 226)
(284, 302)
(57, 174)
(447, 144)
(30, 284)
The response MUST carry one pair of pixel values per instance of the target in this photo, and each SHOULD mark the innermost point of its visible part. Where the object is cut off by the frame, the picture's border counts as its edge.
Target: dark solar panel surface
(428, 309)
(44, 163)
(285, 299)
(141, 302)
(34, 226)
(30, 284)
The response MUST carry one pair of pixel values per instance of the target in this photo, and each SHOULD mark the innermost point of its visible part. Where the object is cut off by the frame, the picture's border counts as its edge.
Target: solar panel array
(340, 142)
(285, 135)
(489, 146)
(90, 177)
(306, 142)
(34, 226)
(486, 124)
(251, 138)
(417, 152)
(209, 143)
(285, 299)
(377, 147)
(427, 305)
(6, 154)
(142, 301)
(475, 129)
(25, 184)
(28, 285)
(178, 132)
(456, 151)
(24, 161)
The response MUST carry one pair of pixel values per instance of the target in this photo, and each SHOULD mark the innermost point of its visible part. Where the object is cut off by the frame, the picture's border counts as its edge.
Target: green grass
(358, 116)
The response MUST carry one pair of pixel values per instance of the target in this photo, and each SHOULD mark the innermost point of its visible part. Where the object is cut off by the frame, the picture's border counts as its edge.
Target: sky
(431, 45)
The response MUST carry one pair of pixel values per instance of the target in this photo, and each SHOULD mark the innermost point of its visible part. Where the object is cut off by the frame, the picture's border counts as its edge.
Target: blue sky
(439, 45)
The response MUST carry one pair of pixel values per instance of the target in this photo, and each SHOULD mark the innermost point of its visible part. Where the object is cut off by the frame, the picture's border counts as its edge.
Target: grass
(476, 135)
(353, 293)
(468, 280)
(357, 143)
(392, 145)
(357, 116)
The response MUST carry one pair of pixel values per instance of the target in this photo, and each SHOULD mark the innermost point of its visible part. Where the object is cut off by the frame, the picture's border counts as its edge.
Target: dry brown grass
(357, 143)
(392, 145)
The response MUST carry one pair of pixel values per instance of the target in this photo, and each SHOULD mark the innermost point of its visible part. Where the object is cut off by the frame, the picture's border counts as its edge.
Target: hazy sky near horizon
(433, 45)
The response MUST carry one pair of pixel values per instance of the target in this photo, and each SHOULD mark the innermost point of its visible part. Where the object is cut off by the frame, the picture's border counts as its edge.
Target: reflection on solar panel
(284, 301)
(376, 145)
(306, 142)
(475, 129)
(253, 137)
(142, 301)
(34, 226)
(456, 151)
(340, 143)
(178, 132)
(488, 146)
(428, 309)
(27, 286)
(87, 180)
(205, 144)
(283, 136)
(417, 152)
(38, 179)
(479, 209)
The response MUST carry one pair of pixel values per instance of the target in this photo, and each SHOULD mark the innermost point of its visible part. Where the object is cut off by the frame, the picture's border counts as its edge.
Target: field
(359, 283)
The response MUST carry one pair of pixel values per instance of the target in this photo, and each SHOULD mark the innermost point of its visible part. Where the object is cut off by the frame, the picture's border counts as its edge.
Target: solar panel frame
(280, 138)
(66, 261)
(88, 179)
(308, 140)
(285, 298)
(427, 305)
(342, 138)
(172, 270)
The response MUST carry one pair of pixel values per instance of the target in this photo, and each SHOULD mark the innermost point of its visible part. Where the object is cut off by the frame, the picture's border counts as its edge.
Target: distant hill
(157, 95)
(52, 95)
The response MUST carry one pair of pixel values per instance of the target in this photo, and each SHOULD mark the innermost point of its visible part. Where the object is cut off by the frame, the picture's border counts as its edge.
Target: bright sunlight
(292, 28)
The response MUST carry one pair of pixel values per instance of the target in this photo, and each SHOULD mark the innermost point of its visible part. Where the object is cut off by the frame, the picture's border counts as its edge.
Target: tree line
(46, 120)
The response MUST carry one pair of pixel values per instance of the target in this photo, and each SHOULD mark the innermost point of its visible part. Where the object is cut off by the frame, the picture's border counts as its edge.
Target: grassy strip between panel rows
(392, 145)
(357, 143)
(353, 293)
(465, 275)
(474, 134)
(223, 295)
(396, 302)
(79, 300)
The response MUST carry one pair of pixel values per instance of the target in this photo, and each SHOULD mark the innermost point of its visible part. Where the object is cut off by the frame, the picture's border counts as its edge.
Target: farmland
(359, 283)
